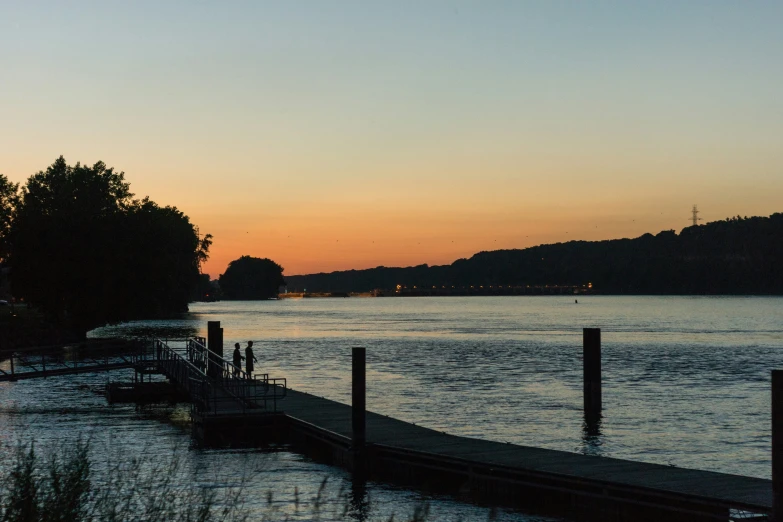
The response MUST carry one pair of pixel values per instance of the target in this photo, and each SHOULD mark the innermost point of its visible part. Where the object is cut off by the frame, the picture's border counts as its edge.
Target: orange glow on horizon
(372, 222)
(363, 238)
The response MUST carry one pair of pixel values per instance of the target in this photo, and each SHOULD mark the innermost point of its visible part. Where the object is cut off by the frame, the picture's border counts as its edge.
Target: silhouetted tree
(9, 196)
(88, 254)
(251, 278)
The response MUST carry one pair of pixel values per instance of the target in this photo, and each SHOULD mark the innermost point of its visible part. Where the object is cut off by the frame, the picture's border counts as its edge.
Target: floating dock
(540, 480)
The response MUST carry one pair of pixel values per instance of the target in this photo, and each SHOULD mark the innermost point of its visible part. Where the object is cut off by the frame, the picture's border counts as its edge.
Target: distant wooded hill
(734, 256)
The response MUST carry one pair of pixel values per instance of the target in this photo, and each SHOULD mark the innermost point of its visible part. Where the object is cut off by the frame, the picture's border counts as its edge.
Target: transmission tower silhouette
(695, 216)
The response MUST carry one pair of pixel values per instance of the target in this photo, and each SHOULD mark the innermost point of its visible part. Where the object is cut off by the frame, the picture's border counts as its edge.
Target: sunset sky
(338, 135)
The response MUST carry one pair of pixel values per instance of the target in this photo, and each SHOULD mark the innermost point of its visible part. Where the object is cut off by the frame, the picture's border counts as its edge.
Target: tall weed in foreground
(21, 500)
(66, 486)
(60, 487)
(58, 495)
(57, 488)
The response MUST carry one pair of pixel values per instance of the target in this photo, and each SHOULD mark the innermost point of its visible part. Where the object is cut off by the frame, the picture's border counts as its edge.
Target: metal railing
(190, 378)
(254, 391)
(222, 368)
(215, 385)
(52, 361)
(179, 370)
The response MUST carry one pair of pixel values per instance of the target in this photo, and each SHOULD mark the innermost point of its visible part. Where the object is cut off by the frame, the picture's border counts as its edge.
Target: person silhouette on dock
(237, 360)
(249, 359)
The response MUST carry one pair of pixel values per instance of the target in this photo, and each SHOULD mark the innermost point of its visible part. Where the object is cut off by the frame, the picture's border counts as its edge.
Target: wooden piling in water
(359, 397)
(214, 348)
(777, 445)
(591, 338)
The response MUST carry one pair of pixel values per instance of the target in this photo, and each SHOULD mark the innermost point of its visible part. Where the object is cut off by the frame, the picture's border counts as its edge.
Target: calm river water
(686, 382)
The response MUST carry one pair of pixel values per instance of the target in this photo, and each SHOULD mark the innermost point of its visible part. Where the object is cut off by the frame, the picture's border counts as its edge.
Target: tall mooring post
(592, 370)
(359, 397)
(214, 348)
(777, 445)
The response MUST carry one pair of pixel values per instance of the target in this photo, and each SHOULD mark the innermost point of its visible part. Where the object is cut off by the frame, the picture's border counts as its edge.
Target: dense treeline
(86, 253)
(734, 256)
(9, 198)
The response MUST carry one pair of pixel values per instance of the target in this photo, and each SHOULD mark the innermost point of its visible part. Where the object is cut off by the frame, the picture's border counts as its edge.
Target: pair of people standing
(249, 359)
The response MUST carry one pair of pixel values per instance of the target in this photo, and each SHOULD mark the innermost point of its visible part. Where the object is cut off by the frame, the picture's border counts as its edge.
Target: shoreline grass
(64, 484)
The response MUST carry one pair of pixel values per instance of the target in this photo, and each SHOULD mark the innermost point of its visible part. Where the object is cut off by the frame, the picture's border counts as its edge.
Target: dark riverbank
(453, 291)
(22, 326)
(737, 256)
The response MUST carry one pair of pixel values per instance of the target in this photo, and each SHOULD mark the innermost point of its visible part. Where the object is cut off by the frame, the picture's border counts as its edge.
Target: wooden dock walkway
(692, 493)
(549, 481)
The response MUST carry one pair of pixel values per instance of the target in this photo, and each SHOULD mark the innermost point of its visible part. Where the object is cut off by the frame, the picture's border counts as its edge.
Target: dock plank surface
(707, 485)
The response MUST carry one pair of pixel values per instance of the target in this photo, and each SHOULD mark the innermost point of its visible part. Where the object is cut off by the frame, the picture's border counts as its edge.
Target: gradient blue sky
(334, 135)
